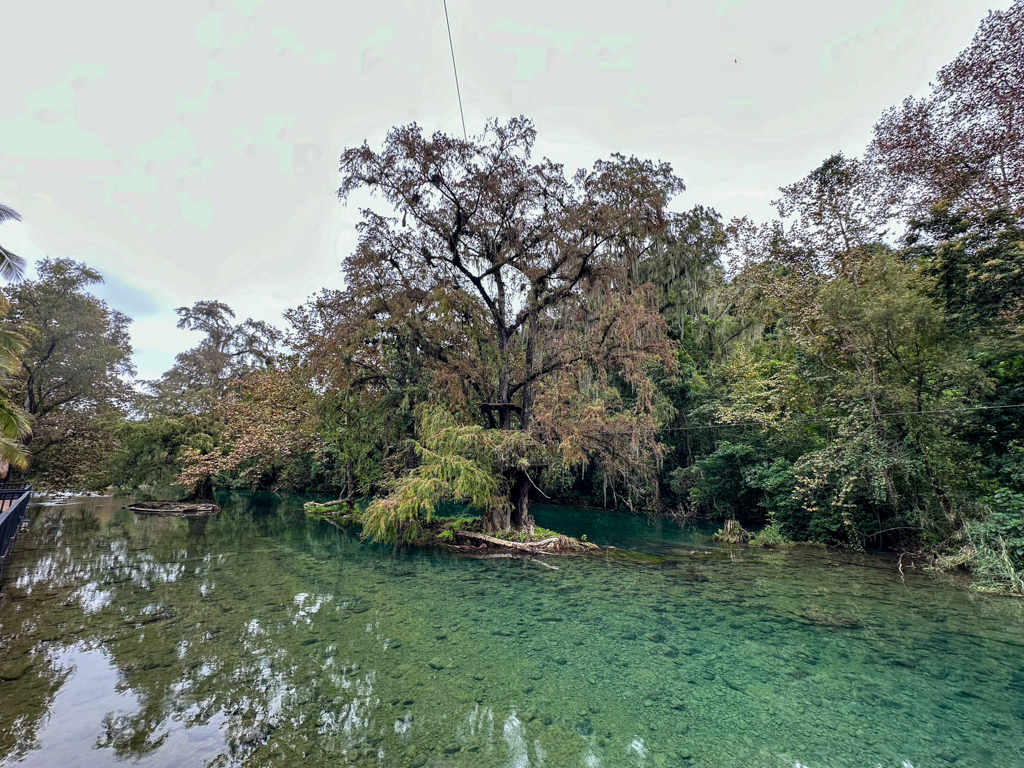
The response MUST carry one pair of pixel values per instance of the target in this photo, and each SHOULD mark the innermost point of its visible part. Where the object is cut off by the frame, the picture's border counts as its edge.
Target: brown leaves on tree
(512, 286)
(964, 142)
(268, 418)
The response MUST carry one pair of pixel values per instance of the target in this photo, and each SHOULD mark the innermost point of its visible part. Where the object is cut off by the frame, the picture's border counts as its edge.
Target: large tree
(228, 350)
(516, 287)
(964, 142)
(72, 372)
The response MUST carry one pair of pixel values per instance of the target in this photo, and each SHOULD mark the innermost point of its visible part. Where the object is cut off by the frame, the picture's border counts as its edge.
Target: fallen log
(336, 503)
(174, 508)
(543, 542)
(530, 547)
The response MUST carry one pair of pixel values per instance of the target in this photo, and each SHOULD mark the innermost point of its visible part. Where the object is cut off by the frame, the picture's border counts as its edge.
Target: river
(275, 641)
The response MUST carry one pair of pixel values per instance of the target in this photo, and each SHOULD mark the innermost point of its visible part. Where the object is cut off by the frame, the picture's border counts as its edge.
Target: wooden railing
(14, 500)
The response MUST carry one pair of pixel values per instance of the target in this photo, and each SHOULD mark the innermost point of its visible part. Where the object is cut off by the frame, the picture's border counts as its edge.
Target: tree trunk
(516, 515)
(498, 520)
(531, 342)
(519, 496)
(203, 490)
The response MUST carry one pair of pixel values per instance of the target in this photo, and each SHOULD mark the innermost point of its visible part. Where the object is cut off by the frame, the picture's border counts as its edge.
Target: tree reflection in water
(276, 641)
(170, 617)
(208, 646)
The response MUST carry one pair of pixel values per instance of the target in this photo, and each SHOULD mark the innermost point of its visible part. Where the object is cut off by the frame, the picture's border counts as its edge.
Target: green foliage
(200, 376)
(1004, 524)
(770, 536)
(72, 372)
(457, 464)
(149, 452)
(527, 535)
(992, 548)
(716, 482)
(447, 536)
(977, 260)
(732, 533)
(15, 424)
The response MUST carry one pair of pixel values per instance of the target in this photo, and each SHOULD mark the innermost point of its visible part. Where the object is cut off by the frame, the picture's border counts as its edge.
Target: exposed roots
(732, 533)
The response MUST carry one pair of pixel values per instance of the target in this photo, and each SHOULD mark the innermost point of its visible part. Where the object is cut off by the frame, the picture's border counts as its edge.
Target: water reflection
(272, 641)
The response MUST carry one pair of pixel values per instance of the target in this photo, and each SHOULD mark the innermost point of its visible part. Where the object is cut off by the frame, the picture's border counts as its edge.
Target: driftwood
(174, 508)
(544, 542)
(532, 546)
(336, 503)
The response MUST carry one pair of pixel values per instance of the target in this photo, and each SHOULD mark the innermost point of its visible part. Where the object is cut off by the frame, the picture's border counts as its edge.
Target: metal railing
(14, 498)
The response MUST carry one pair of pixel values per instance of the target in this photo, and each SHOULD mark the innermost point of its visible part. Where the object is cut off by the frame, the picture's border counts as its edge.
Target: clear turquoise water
(270, 640)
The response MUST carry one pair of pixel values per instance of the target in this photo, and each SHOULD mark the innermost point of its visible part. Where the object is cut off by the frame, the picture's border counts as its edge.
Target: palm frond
(11, 341)
(14, 422)
(14, 454)
(8, 214)
(12, 266)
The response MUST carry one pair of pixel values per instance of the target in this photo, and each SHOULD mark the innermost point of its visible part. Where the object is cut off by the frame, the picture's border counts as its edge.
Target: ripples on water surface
(269, 640)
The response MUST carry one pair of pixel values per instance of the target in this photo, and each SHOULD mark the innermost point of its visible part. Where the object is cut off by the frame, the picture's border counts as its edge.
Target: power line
(455, 69)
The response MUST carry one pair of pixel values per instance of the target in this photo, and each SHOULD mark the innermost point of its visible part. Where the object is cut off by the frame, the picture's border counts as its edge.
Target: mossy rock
(340, 515)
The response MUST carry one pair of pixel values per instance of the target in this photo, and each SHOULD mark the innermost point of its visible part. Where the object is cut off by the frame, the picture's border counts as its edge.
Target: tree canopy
(72, 372)
(516, 285)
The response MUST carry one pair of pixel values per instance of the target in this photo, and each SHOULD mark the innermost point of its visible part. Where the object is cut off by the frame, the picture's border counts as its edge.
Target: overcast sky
(189, 150)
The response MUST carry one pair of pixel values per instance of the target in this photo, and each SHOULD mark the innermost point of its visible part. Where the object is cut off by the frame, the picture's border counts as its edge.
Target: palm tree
(15, 424)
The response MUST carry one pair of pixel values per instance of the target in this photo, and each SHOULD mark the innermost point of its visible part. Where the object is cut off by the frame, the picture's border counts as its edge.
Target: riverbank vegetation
(851, 373)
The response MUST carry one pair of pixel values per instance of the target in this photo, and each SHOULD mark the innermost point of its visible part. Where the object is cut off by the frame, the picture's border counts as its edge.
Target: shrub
(994, 546)
(732, 533)
(770, 536)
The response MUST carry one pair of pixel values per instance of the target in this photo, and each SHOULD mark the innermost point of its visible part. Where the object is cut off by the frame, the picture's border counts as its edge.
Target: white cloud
(201, 161)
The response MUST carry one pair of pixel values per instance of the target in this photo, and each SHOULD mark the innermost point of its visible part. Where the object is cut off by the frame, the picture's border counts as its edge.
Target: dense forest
(851, 373)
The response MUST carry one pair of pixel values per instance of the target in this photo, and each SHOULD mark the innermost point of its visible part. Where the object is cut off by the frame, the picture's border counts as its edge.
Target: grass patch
(524, 537)
(990, 563)
(770, 536)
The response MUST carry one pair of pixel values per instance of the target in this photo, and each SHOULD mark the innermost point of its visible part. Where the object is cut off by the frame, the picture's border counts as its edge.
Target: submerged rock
(826, 618)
